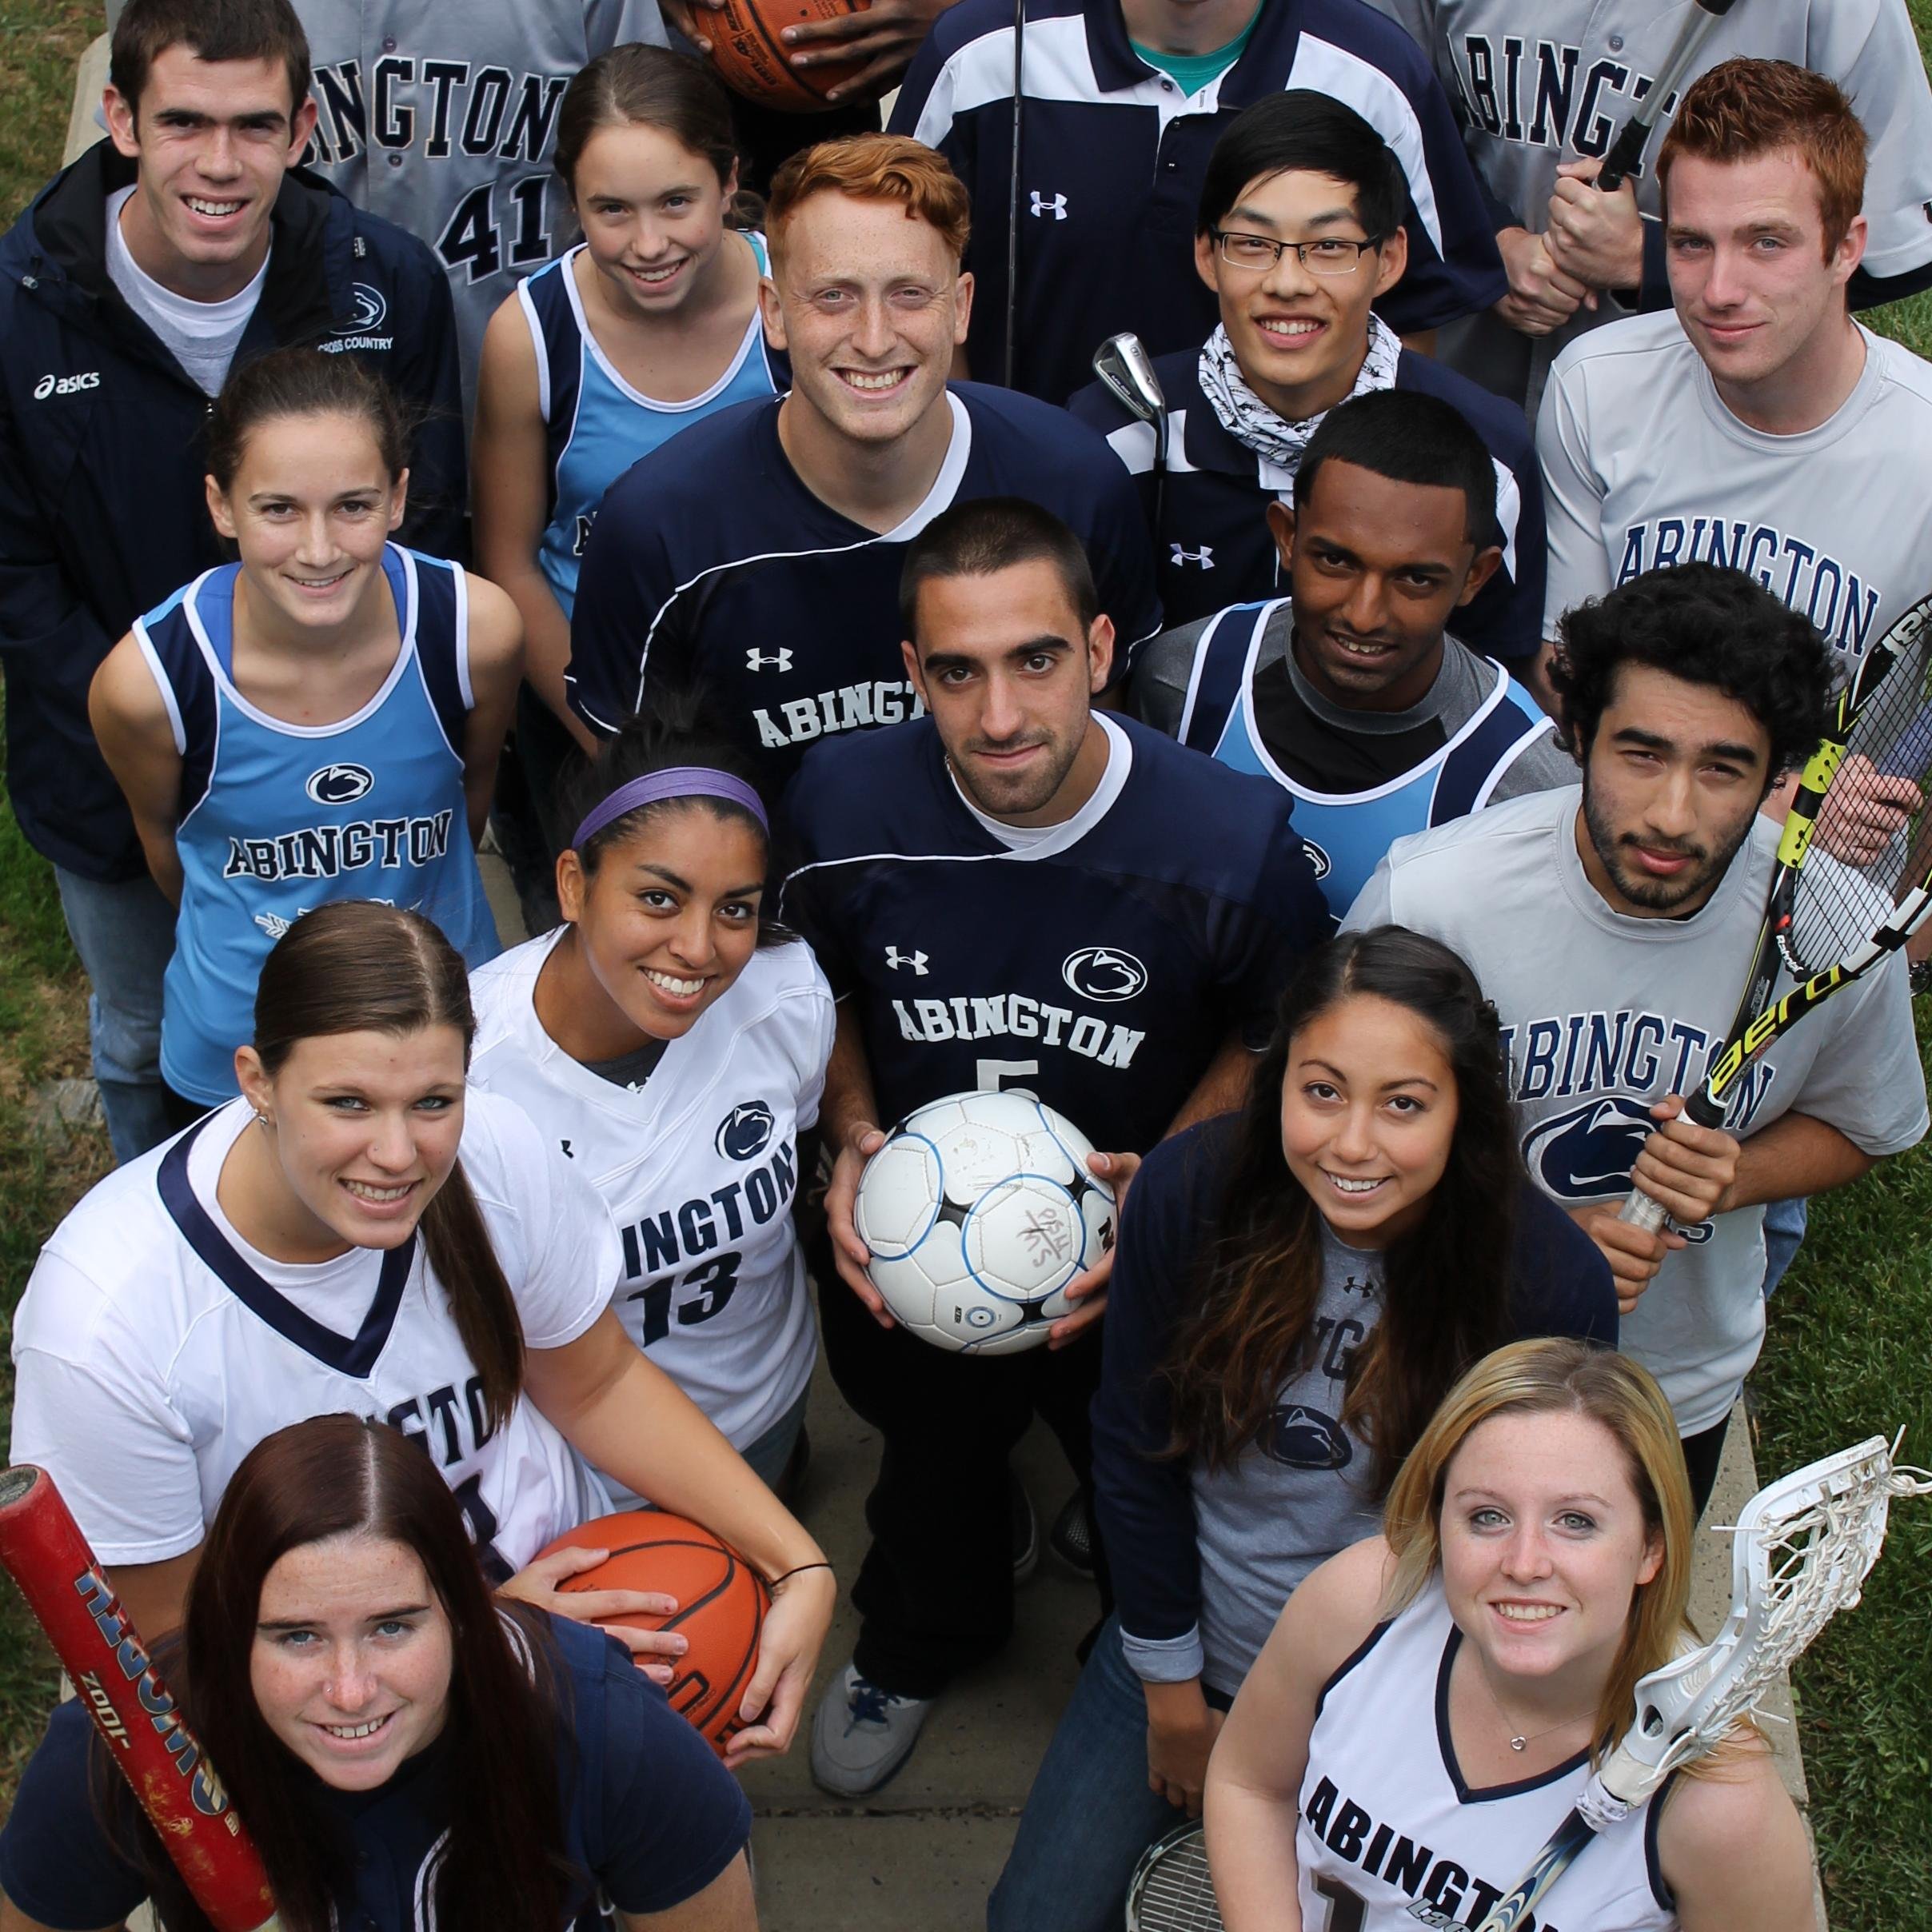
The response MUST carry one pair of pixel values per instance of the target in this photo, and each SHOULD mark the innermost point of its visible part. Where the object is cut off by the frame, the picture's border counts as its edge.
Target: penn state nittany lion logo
(743, 1133)
(1588, 1152)
(369, 311)
(1304, 1438)
(340, 785)
(1103, 972)
(1317, 858)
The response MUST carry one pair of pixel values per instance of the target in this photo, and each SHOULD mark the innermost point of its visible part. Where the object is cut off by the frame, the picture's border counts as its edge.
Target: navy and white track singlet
(596, 424)
(277, 818)
(1346, 835)
(1392, 1838)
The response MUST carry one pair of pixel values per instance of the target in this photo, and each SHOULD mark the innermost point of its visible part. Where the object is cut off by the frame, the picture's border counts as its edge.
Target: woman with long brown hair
(1297, 1286)
(316, 1245)
(1432, 1700)
(404, 1751)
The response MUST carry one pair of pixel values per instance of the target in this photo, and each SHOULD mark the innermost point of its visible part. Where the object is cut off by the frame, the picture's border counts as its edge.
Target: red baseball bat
(47, 1556)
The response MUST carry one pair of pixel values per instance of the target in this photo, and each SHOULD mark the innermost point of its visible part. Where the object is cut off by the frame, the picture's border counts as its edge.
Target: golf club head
(1124, 365)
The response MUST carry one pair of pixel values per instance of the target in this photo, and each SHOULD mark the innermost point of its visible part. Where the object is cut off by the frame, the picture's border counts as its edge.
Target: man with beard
(1613, 925)
(1016, 892)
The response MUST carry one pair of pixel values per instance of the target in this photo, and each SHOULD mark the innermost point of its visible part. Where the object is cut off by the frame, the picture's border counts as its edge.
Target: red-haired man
(758, 553)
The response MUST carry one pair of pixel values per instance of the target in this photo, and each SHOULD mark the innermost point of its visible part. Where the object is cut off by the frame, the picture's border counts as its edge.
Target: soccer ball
(978, 1210)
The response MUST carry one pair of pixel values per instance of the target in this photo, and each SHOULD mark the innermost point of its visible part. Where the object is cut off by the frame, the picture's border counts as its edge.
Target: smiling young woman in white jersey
(1431, 1701)
(648, 325)
(672, 1043)
(319, 720)
(318, 1245)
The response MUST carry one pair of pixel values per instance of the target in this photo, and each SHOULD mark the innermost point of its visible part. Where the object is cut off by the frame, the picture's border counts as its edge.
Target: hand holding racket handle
(47, 1556)
(1627, 149)
(1640, 1210)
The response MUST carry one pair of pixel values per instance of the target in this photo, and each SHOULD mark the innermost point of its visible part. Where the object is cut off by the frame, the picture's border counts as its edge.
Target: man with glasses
(1300, 233)
(1122, 101)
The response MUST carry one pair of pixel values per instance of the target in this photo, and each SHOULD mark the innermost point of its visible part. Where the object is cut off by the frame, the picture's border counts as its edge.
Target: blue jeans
(1784, 1230)
(1090, 1814)
(124, 931)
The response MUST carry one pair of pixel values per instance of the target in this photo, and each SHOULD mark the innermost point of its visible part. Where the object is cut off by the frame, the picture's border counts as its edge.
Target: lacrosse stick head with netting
(1803, 1546)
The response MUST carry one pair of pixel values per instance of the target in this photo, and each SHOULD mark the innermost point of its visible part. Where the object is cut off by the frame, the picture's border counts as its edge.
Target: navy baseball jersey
(649, 1815)
(711, 563)
(1214, 547)
(1100, 966)
(1112, 158)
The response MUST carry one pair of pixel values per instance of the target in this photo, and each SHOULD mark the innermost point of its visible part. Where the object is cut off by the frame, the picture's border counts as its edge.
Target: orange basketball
(721, 1604)
(751, 60)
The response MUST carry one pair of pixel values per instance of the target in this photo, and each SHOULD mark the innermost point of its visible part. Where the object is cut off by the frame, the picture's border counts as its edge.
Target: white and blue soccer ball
(978, 1210)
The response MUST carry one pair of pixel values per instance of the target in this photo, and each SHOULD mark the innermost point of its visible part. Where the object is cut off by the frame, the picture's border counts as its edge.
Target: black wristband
(799, 1572)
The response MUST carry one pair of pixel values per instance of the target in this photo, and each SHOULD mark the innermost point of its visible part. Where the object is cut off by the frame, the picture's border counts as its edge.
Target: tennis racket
(1801, 1552)
(1170, 1891)
(1853, 876)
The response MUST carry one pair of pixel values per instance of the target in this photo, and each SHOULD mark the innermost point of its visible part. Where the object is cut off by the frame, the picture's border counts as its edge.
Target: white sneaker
(862, 1735)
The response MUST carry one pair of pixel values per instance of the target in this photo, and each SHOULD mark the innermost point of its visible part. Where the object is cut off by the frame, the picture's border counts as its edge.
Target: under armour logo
(895, 959)
(1204, 556)
(756, 660)
(1056, 207)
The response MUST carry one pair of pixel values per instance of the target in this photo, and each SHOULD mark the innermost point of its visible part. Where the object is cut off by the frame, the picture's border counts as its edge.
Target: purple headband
(677, 781)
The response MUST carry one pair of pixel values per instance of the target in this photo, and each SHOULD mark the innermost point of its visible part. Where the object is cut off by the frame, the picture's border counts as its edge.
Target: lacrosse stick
(1803, 1547)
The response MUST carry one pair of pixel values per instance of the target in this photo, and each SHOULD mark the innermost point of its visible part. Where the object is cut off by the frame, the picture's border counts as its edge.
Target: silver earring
(261, 1119)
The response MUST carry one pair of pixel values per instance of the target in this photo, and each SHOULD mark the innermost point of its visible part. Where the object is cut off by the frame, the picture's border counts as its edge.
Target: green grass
(1847, 1356)
(42, 1019)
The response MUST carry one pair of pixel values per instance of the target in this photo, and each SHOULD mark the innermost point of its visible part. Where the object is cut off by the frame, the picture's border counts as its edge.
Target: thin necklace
(1519, 1741)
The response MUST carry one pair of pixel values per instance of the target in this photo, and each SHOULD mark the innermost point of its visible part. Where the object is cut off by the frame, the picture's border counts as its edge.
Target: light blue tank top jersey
(598, 424)
(277, 818)
(1348, 835)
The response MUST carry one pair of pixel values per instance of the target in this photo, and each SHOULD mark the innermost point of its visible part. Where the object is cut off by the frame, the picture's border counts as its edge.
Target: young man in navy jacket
(179, 246)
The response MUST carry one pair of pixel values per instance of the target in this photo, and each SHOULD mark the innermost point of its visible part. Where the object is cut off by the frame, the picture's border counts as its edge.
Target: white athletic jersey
(443, 119)
(698, 1168)
(1389, 1836)
(154, 1347)
(1539, 83)
(1643, 465)
(1604, 1014)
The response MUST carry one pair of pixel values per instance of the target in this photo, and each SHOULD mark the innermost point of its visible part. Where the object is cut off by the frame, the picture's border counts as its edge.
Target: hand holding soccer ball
(979, 1213)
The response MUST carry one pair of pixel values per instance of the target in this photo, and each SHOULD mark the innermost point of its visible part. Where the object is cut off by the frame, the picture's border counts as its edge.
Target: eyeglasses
(1326, 255)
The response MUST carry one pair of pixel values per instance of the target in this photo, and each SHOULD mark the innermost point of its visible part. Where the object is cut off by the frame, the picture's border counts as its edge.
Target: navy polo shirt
(1112, 157)
(1214, 547)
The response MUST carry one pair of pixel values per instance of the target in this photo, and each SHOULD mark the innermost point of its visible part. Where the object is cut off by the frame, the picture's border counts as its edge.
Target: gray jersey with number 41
(443, 118)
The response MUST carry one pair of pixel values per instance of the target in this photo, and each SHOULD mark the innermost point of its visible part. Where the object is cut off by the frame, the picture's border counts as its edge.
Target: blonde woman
(1431, 1700)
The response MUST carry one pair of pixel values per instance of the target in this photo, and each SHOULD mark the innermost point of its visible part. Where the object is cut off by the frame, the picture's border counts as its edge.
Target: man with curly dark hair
(1612, 924)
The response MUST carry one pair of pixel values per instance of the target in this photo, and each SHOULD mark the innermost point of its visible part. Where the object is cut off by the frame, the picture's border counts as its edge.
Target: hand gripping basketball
(721, 1606)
